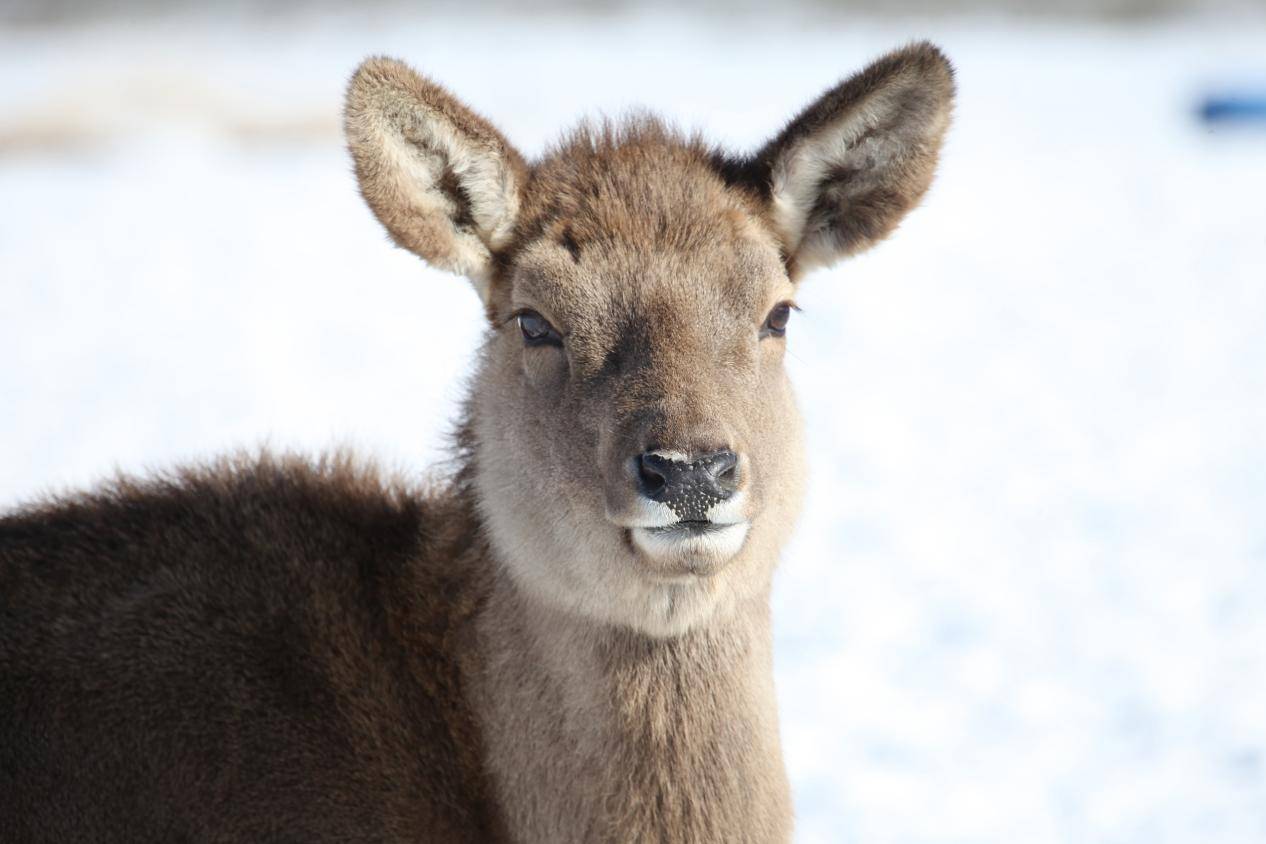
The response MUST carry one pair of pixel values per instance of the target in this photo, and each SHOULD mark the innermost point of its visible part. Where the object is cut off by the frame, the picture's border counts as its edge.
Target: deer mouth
(687, 546)
(692, 527)
(699, 544)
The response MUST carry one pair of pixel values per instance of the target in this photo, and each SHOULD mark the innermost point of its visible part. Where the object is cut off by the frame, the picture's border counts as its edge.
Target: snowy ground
(1027, 600)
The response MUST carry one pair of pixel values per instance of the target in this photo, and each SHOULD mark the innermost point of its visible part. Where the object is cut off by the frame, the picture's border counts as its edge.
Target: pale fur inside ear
(844, 173)
(799, 177)
(440, 179)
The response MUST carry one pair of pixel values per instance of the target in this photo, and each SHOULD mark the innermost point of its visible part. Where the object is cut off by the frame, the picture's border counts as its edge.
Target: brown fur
(268, 649)
(259, 650)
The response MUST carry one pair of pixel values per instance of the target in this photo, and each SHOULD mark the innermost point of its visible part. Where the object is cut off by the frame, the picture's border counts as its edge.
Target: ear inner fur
(442, 181)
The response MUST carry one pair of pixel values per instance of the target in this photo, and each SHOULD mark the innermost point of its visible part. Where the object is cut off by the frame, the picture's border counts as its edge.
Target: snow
(1027, 598)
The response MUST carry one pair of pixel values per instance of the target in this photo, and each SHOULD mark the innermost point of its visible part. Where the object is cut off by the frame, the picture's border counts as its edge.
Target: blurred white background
(1027, 599)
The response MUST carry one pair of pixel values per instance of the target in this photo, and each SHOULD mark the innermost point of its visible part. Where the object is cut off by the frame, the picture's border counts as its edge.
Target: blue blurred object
(1234, 108)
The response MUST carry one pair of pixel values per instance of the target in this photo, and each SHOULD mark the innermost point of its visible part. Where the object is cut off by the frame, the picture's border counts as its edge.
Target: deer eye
(537, 331)
(776, 323)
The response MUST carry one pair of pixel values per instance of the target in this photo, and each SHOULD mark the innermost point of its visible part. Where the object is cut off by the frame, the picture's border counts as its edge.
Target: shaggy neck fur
(592, 731)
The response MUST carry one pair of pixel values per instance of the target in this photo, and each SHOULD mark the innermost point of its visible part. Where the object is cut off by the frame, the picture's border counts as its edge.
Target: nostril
(727, 479)
(650, 479)
(723, 467)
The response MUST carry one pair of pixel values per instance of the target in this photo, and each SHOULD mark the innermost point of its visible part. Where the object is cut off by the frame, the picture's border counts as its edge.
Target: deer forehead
(644, 237)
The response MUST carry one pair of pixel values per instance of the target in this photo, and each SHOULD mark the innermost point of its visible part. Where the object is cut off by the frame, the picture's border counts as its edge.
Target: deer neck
(594, 732)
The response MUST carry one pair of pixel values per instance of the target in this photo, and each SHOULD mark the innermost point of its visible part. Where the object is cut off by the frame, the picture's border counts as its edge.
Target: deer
(565, 638)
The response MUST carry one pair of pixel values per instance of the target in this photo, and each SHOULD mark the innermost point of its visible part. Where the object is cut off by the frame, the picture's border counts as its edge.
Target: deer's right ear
(439, 177)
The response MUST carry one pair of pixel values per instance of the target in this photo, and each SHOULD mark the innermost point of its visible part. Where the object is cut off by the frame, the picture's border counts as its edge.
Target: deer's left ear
(847, 169)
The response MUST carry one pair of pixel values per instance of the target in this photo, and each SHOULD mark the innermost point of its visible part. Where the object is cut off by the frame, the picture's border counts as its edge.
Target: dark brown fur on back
(261, 650)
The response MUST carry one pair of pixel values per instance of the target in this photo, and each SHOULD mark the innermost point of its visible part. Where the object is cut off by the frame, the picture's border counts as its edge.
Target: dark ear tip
(929, 61)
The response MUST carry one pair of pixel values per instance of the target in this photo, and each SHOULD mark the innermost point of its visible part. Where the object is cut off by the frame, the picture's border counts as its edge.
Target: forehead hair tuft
(636, 182)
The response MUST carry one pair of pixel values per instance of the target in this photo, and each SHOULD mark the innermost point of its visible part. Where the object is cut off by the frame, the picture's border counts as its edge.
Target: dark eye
(537, 331)
(776, 323)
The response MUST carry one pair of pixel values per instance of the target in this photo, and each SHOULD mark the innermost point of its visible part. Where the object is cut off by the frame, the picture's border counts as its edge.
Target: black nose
(688, 487)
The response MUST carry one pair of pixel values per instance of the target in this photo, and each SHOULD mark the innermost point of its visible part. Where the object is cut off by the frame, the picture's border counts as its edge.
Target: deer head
(637, 450)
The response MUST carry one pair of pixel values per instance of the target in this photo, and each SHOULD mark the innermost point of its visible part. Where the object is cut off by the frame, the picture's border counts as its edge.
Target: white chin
(713, 546)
